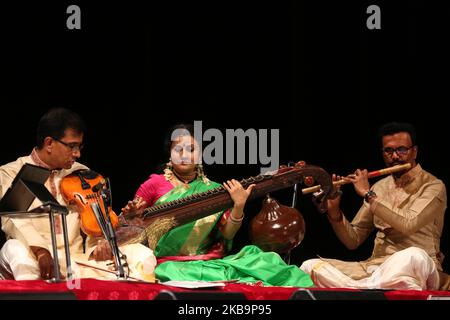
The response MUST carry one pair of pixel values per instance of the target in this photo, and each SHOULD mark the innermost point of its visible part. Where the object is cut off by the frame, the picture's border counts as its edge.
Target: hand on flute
(360, 181)
(334, 212)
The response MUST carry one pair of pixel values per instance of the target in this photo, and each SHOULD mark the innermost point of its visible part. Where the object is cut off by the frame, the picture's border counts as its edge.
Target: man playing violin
(26, 255)
(406, 208)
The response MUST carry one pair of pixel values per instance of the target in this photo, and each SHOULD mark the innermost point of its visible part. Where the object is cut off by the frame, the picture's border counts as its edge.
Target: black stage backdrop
(311, 69)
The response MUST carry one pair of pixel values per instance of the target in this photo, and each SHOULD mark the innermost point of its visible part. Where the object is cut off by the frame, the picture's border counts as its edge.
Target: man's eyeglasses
(73, 146)
(401, 151)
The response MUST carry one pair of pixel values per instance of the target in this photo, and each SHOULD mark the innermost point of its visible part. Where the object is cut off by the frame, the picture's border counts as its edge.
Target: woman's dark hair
(175, 131)
(55, 122)
(396, 127)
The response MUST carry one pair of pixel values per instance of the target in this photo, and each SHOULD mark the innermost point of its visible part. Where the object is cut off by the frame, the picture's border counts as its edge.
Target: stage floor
(91, 289)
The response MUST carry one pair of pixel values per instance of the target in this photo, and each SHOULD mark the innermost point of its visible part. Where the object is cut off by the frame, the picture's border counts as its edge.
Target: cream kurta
(407, 213)
(36, 231)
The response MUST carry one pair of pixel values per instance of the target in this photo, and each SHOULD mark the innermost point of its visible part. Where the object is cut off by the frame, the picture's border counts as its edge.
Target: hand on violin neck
(102, 251)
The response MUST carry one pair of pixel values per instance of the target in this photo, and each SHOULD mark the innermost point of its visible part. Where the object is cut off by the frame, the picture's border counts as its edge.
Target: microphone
(99, 186)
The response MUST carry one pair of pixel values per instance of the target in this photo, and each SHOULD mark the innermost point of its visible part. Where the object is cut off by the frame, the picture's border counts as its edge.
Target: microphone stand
(106, 225)
(111, 237)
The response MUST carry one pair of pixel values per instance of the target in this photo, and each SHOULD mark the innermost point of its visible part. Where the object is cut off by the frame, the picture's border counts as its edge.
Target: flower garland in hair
(201, 174)
(168, 173)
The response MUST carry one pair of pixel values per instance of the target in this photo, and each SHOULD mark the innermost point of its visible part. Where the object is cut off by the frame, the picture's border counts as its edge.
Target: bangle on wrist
(235, 220)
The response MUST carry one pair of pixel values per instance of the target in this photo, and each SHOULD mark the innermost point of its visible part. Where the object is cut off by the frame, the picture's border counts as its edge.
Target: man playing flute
(407, 209)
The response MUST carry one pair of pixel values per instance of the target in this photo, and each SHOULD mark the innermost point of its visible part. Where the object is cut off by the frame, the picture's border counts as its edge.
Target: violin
(82, 189)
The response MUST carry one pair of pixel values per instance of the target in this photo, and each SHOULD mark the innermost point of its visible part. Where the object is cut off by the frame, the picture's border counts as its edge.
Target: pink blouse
(154, 188)
(157, 186)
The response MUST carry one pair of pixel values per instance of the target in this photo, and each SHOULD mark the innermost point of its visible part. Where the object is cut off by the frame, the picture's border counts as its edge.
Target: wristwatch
(369, 194)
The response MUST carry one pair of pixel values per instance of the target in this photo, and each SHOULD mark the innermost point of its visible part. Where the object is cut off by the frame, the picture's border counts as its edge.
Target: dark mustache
(394, 163)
